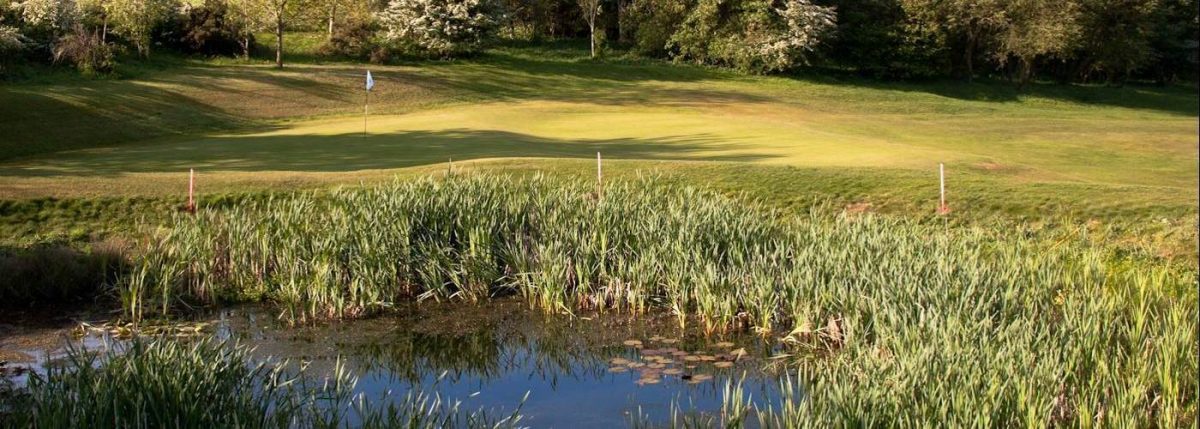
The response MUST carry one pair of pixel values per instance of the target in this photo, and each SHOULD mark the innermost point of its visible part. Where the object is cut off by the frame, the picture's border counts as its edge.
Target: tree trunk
(1026, 72)
(332, 13)
(969, 57)
(245, 47)
(279, 40)
(592, 29)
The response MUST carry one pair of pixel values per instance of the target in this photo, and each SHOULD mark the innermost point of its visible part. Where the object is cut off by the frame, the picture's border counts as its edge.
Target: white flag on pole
(370, 81)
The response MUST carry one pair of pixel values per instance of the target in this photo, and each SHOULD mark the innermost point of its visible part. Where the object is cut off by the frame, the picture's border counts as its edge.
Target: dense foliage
(439, 27)
(1070, 41)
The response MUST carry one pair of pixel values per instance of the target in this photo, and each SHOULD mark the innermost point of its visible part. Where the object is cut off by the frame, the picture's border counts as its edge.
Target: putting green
(756, 132)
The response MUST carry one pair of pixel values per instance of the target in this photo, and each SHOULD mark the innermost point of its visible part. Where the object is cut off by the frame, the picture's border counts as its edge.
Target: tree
(804, 26)
(591, 12)
(278, 13)
(135, 19)
(1033, 29)
(57, 14)
(332, 9)
(652, 23)
(1116, 36)
(244, 16)
(975, 22)
(751, 35)
(270, 15)
(439, 27)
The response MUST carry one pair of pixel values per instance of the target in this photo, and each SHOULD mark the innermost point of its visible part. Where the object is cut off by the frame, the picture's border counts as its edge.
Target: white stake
(599, 175)
(942, 177)
(191, 206)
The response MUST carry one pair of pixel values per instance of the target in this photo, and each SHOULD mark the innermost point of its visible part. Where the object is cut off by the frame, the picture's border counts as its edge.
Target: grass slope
(1115, 155)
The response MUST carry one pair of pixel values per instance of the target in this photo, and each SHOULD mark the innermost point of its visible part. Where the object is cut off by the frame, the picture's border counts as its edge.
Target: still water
(590, 370)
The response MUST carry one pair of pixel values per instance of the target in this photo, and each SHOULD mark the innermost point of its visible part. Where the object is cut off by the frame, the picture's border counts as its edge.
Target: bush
(354, 40)
(86, 50)
(11, 43)
(207, 30)
(381, 55)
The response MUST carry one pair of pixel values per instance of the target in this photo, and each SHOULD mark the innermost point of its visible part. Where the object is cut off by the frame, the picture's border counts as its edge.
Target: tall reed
(890, 320)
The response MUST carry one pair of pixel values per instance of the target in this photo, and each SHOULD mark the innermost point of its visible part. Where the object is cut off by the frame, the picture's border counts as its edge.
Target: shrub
(11, 43)
(354, 40)
(86, 50)
(207, 30)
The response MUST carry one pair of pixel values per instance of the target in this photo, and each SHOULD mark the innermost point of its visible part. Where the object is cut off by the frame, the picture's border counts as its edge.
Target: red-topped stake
(942, 208)
(191, 205)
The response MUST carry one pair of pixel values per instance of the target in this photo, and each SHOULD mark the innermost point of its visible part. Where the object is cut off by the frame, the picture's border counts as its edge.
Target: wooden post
(942, 209)
(191, 205)
(599, 176)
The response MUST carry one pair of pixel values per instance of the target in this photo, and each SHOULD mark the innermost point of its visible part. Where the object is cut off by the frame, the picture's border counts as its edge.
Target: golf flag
(370, 81)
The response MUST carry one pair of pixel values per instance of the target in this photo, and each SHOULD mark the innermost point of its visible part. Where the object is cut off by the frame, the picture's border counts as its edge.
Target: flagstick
(366, 102)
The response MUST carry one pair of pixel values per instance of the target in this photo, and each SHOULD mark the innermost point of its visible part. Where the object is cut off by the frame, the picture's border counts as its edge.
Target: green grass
(157, 382)
(887, 320)
(1121, 157)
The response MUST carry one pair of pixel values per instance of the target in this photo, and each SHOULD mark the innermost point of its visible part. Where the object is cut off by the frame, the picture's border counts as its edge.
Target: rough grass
(888, 320)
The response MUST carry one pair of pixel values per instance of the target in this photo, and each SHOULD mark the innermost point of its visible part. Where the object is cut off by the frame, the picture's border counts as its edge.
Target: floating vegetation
(671, 362)
(126, 330)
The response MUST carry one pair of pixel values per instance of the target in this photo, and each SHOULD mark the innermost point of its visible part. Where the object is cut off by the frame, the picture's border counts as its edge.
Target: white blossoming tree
(439, 27)
(805, 24)
(135, 19)
(752, 35)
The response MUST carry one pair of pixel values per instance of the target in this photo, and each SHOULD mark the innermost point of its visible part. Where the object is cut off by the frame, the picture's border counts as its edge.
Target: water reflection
(490, 356)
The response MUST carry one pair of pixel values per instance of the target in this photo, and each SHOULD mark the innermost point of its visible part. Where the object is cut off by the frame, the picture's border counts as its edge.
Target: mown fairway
(1117, 155)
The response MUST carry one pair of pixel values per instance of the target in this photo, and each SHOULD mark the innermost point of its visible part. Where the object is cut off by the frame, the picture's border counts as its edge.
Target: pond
(590, 370)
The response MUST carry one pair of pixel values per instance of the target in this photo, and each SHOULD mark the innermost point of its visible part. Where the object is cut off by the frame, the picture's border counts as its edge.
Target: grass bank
(889, 320)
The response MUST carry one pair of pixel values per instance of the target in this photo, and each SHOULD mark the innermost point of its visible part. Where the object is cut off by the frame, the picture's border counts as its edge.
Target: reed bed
(159, 383)
(890, 321)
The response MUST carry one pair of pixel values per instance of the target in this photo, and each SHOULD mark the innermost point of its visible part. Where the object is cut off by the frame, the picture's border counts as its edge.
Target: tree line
(1066, 40)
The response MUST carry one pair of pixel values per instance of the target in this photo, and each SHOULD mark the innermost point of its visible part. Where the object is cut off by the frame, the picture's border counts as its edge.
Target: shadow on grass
(350, 152)
(41, 120)
(1175, 99)
(51, 274)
